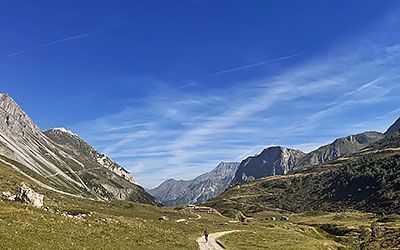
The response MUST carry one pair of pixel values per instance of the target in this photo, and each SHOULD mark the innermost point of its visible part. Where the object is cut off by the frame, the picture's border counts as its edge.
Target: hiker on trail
(206, 235)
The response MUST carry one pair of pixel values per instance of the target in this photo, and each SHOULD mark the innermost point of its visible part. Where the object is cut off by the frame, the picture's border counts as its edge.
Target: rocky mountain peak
(271, 161)
(13, 119)
(65, 131)
(393, 128)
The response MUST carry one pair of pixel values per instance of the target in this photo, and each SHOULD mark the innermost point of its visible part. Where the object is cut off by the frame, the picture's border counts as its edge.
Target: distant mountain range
(59, 160)
(272, 161)
(367, 180)
(202, 188)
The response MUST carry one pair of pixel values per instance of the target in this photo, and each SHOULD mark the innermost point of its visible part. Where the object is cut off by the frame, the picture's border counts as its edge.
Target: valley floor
(75, 223)
(133, 226)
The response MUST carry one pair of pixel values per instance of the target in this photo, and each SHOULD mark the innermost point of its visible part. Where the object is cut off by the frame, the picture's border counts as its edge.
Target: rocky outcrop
(196, 191)
(63, 161)
(27, 195)
(340, 147)
(270, 162)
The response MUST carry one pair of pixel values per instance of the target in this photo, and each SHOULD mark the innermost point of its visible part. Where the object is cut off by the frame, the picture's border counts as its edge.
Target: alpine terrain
(214, 107)
(366, 181)
(196, 191)
(60, 160)
(340, 147)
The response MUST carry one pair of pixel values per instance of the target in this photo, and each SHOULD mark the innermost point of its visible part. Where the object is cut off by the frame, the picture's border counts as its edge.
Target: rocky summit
(341, 147)
(270, 162)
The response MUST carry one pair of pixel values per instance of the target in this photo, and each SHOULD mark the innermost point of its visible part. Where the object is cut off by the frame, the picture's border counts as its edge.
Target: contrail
(70, 38)
(247, 66)
(83, 35)
(66, 39)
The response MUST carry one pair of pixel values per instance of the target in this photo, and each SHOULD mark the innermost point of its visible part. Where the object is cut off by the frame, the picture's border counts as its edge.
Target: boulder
(240, 217)
(27, 195)
(12, 198)
(8, 196)
(163, 218)
(284, 217)
(249, 219)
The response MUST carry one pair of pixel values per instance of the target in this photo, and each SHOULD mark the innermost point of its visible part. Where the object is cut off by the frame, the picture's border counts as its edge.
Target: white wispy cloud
(181, 134)
(20, 52)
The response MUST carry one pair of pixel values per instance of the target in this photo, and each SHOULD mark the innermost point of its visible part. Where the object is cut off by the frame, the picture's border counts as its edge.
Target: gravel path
(212, 244)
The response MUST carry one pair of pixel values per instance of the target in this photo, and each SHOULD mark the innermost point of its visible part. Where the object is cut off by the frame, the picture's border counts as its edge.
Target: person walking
(206, 235)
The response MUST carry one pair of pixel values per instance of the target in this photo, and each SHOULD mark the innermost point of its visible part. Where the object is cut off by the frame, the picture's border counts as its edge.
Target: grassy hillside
(349, 203)
(346, 198)
(107, 225)
(366, 182)
(127, 225)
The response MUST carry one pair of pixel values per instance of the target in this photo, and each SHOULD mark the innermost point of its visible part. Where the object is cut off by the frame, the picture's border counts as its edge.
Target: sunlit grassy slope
(366, 185)
(108, 225)
(366, 182)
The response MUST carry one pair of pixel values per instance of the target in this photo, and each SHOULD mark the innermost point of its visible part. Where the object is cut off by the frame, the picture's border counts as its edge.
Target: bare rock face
(22, 141)
(340, 147)
(13, 119)
(395, 127)
(270, 162)
(27, 195)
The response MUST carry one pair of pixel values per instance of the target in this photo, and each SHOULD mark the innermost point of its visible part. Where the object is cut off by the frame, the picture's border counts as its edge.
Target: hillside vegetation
(365, 185)
(75, 223)
(367, 182)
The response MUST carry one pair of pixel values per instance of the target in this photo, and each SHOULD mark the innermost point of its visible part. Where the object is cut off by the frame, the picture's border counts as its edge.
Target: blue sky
(171, 88)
